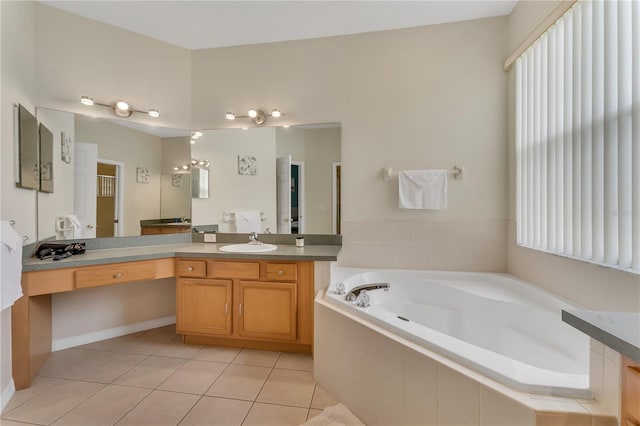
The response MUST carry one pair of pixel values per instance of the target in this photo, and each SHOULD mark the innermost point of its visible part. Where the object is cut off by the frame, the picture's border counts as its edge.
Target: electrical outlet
(209, 238)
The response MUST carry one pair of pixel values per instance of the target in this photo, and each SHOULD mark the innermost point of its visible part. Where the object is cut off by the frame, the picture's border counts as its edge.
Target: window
(578, 136)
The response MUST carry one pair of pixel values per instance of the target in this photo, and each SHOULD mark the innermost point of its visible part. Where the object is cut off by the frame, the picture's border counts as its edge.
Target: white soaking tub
(495, 324)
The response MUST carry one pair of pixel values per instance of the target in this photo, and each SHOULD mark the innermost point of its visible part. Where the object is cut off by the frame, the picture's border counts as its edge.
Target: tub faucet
(355, 292)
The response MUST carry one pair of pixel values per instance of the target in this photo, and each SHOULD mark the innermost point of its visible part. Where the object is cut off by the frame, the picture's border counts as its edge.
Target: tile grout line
(80, 403)
(253, 403)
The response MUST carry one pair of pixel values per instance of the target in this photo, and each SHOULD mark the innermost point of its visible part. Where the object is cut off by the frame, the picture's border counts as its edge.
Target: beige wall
(135, 149)
(60, 202)
(592, 286)
(77, 56)
(323, 148)
(175, 200)
(17, 85)
(229, 191)
(318, 149)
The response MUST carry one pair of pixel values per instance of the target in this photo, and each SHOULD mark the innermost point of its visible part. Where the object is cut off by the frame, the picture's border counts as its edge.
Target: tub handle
(363, 300)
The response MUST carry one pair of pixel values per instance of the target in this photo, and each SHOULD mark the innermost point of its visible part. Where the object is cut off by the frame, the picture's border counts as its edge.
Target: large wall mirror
(114, 178)
(289, 175)
(121, 178)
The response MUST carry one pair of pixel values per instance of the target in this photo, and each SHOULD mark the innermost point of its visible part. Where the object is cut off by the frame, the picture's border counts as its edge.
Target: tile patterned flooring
(151, 378)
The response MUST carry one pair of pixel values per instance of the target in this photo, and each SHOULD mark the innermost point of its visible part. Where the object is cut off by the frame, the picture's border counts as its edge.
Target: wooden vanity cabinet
(246, 303)
(630, 376)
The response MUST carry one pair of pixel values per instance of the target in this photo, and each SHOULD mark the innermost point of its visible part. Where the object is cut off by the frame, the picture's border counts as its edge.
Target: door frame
(118, 227)
(334, 196)
(301, 192)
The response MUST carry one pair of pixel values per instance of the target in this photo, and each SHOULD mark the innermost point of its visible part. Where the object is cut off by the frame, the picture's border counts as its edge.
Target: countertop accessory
(299, 241)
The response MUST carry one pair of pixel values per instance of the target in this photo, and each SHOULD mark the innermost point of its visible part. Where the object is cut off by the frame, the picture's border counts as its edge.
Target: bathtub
(495, 324)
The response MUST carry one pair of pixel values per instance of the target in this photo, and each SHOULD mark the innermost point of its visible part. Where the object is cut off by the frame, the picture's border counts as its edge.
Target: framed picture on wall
(176, 179)
(142, 175)
(65, 148)
(247, 165)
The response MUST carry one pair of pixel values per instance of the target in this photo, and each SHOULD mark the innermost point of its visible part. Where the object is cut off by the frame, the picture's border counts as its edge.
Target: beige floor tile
(294, 361)
(321, 398)
(5, 422)
(38, 385)
(169, 330)
(216, 353)
(51, 404)
(93, 366)
(312, 413)
(151, 372)
(288, 387)
(193, 377)
(239, 382)
(217, 411)
(176, 349)
(160, 408)
(105, 407)
(257, 357)
(276, 415)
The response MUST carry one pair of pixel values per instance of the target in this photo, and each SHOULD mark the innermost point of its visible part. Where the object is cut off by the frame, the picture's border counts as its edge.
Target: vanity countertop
(205, 250)
(618, 330)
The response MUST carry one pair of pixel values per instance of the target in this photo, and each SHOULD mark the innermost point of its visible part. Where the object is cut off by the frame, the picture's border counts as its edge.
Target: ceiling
(207, 24)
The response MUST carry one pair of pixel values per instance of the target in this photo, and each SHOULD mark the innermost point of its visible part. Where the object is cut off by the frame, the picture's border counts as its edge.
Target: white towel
(423, 189)
(10, 265)
(248, 221)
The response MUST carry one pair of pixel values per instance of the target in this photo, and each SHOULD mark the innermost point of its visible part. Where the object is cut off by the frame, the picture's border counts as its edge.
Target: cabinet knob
(280, 272)
(117, 275)
(190, 268)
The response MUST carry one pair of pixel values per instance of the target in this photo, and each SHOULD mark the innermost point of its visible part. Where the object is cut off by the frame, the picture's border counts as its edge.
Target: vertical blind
(578, 136)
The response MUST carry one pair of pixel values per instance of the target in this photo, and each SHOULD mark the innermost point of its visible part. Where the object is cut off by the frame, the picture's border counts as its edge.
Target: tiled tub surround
(387, 379)
(462, 245)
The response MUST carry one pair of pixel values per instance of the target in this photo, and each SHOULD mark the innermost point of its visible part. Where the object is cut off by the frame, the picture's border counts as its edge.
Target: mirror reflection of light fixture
(256, 115)
(120, 108)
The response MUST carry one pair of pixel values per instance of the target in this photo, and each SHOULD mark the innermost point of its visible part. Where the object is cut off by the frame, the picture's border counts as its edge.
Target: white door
(283, 194)
(84, 194)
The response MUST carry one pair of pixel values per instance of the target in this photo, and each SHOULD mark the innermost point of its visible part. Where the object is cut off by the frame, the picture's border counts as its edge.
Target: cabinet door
(267, 310)
(203, 306)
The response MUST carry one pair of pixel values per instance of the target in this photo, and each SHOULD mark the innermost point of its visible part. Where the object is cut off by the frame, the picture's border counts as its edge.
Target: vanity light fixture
(120, 108)
(200, 164)
(196, 134)
(256, 115)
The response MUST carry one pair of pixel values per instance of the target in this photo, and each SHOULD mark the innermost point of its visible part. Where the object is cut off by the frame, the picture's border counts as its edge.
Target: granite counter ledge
(618, 330)
(203, 250)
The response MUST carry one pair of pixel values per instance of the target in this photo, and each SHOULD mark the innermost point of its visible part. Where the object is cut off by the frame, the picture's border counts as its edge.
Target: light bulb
(244, 128)
(230, 116)
(122, 105)
(85, 100)
(252, 113)
(196, 135)
(193, 141)
(286, 126)
(275, 113)
(154, 113)
(201, 163)
(185, 167)
(176, 168)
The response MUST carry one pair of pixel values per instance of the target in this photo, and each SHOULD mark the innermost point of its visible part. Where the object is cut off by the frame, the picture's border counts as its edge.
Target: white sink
(248, 248)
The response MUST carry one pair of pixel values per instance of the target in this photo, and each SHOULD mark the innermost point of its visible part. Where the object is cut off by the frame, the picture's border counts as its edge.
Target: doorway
(109, 193)
(337, 196)
(297, 197)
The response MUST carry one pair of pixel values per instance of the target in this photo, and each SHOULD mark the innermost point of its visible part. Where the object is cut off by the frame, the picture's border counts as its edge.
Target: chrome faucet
(253, 238)
(355, 292)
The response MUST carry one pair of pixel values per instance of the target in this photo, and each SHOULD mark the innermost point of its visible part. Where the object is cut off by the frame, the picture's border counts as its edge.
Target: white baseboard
(83, 339)
(7, 394)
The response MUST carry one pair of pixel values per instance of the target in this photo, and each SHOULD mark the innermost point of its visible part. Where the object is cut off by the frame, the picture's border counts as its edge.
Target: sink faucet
(253, 238)
(355, 292)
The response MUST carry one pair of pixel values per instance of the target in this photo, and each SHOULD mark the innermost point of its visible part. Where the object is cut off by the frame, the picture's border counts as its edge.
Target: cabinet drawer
(192, 268)
(240, 270)
(114, 274)
(631, 389)
(282, 271)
